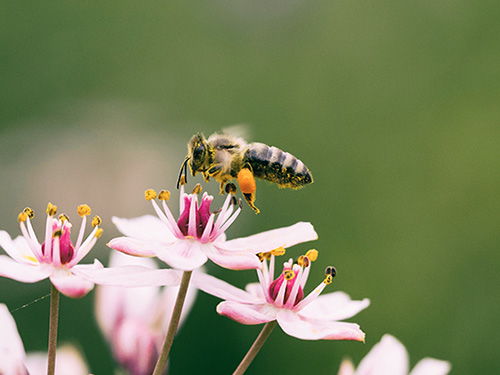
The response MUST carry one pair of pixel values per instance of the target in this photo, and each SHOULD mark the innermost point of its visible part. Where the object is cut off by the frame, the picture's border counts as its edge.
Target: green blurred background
(394, 105)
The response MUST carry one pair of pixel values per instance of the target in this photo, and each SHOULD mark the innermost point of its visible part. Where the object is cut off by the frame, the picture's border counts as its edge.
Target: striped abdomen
(272, 164)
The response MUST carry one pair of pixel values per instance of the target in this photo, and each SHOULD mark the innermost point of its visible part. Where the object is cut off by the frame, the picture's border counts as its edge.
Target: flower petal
(309, 329)
(17, 249)
(231, 259)
(247, 314)
(431, 366)
(11, 346)
(147, 227)
(23, 272)
(70, 284)
(129, 276)
(223, 290)
(134, 246)
(68, 361)
(255, 289)
(346, 367)
(185, 255)
(388, 357)
(333, 306)
(272, 239)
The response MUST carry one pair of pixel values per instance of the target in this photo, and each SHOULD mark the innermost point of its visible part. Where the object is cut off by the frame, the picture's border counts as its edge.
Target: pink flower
(14, 361)
(389, 357)
(310, 317)
(57, 257)
(134, 320)
(199, 234)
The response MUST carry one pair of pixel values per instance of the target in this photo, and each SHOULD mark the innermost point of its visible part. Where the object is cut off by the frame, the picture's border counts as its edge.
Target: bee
(225, 157)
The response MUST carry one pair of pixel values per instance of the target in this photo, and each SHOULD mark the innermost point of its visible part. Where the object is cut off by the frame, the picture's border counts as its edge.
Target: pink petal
(247, 314)
(346, 367)
(388, 357)
(68, 361)
(11, 347)
(272, 239)
(223, 290)
(17, 249)
(24, 273)
(70, 284)
(255, 289)
(333, 306)
(185, 255)
(431, 366)
(129, 276)
(233, 260)
(308, 329)
(147, 227)
(134, 246)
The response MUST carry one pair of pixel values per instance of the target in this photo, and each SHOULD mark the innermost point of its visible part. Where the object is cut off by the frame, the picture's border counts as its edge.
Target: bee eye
(198, 151)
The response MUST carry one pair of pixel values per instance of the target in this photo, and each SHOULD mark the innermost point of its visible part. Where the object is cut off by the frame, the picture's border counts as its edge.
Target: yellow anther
(51, 209)
(164, 195)
(28, 211)
(303, 261)
(63, 217)
(289, 274)
(312, 255)
(328, 279)
(197, 189)
(96, 220)
(150, 194)
(264, 256)
(182, 180)
(83, 210)
(98, 233)
(57, 233)
(278, 251)
(22, 217)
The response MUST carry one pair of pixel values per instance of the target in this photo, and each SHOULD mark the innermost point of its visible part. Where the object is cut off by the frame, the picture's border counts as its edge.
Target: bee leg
(248, 187)
(206, 176)
(222, 188)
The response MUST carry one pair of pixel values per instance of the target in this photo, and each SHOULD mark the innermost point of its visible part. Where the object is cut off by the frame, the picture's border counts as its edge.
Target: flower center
(66, 248)
(289, 277)
(202, 214)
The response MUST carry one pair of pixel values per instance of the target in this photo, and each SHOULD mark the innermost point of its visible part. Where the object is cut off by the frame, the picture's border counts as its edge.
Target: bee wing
(238, 130)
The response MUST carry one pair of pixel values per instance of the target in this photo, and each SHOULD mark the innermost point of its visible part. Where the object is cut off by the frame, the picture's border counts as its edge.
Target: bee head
(199, 154)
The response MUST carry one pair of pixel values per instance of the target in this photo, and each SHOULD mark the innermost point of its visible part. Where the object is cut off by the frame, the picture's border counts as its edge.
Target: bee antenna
(183, 172)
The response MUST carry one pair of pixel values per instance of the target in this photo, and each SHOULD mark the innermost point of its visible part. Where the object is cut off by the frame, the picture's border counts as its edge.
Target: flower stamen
(83, 210)
(150, 194)
(51, 209)
(96, 220)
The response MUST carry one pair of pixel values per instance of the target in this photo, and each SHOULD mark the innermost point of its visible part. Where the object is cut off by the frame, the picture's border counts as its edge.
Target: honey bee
(226, 157)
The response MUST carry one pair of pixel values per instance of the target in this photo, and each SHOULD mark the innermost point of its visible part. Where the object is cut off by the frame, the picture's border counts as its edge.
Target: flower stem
(255, 348)
(53, 323)
(161, 365)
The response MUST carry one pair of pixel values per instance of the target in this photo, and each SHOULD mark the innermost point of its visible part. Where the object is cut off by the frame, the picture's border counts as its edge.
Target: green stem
(255, 348)
(53, 323)
(161, 365)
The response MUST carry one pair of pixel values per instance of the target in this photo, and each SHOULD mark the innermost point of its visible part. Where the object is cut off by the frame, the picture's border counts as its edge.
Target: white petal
(272, 239)
(308, 329)
(12, 353)
(431, 366)
(23, 272)
(147, 227)
(334, 306)
(388, 357)
(223, 290)
(185, 255)
(128, 276)
(68, 361)
(17, 249)
(69, 284)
